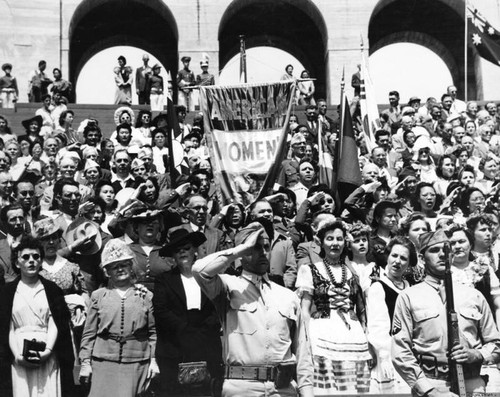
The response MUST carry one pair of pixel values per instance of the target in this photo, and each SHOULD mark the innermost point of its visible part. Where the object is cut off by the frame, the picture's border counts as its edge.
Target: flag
(325, 162)
(348, 164)
(368, 104)
(484, 38)
(246, 129)
(347, 172)
(177, 164)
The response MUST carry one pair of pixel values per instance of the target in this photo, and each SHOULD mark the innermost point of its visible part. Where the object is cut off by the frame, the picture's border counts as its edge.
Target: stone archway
(100, 24)
(436, 24)
(294, 26)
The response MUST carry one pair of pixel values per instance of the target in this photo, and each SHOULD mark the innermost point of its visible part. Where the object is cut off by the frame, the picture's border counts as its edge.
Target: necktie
(264, 290)
(442, 292)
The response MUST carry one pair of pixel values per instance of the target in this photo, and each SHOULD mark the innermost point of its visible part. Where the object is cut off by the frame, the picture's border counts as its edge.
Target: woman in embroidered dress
(339, 345)
(381, 299)
(119, 339)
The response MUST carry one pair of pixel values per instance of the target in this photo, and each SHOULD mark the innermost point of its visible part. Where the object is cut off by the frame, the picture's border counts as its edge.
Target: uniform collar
(434, 282)
(255, 278)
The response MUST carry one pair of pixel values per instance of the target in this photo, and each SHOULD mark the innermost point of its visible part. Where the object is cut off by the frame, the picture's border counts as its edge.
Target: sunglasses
(27, 193)
(26, 257)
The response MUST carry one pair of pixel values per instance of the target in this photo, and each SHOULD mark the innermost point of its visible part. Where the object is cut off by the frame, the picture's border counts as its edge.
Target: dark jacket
(63, 348)
(184, 335)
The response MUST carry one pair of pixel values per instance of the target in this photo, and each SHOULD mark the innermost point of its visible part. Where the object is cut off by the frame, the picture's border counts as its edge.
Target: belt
(122, 338)
(435, 369)
(262, 373)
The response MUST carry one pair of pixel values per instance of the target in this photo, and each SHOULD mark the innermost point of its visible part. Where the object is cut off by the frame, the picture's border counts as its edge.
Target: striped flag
(325, 163)
(368, 104)
(348, 171)
(347, 174)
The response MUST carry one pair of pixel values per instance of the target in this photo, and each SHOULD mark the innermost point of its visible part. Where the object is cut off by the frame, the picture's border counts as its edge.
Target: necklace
(400, 286)
(328, 264)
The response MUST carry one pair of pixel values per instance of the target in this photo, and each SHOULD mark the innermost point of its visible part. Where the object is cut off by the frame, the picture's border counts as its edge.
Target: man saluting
(265, 339)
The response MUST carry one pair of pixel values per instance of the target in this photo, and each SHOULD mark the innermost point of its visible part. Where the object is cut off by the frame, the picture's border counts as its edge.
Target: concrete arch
(295, 26)
(100, 24)
(396, 21)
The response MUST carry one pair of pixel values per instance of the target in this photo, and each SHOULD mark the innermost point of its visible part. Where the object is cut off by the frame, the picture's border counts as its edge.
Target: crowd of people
(144, 282)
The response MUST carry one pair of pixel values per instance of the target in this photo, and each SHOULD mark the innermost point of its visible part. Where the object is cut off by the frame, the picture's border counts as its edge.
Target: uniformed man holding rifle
(421, 351)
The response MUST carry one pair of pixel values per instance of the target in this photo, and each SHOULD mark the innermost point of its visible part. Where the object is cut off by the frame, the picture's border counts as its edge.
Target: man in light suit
(196, 212)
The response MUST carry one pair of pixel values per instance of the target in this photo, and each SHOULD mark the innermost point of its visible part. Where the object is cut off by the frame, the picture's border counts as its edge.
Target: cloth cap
(69, 156)
(136, 163)
(6, 66)
(414, 99)
(297, 138)
(186, 59)
(407, 110)
(116, 250)
(156, 66)
(90, 164)
(429, 239)
(244, 233)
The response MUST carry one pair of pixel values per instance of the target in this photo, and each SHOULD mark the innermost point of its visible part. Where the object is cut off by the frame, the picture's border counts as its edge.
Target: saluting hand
(251, 242)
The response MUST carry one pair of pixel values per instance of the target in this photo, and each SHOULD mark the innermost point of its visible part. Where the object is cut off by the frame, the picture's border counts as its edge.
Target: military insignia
(396, 326)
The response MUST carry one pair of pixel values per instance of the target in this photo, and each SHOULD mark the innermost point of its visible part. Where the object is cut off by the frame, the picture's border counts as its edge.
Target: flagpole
(243, 59)
(342, 94)
(465, 51)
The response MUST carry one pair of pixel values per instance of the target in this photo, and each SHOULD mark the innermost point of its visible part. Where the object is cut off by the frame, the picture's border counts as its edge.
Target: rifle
(456, 371)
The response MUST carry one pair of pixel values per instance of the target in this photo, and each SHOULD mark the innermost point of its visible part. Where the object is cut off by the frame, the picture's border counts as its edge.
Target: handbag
(32, 345)
(193, 374)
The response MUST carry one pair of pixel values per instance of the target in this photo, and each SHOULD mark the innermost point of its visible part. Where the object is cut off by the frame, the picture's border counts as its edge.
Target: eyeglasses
(199, 208)
(27, 257)
(77, 195)
(122, 161)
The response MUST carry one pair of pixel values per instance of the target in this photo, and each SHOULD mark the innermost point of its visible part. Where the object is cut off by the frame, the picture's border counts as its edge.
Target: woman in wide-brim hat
(119, 339)
(188, 326)
(32, 127)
